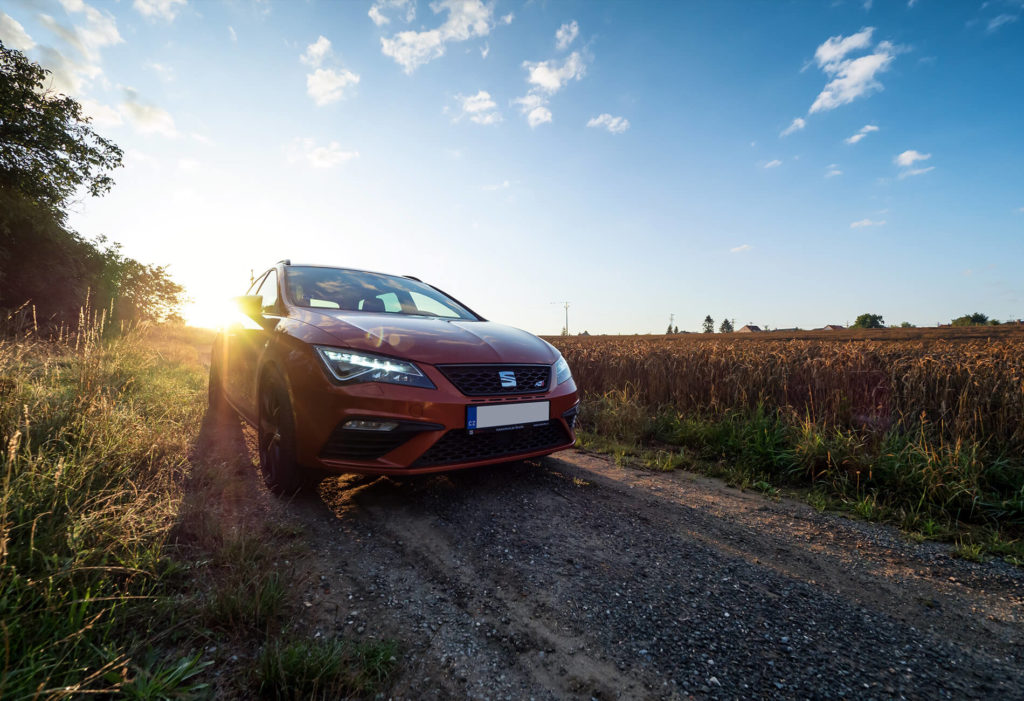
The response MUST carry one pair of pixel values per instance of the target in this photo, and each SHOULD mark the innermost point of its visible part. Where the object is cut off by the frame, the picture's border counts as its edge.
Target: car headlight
(562, 372)
(350, 367)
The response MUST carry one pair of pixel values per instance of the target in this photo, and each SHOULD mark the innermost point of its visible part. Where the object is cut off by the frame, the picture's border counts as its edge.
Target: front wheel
(281, 472)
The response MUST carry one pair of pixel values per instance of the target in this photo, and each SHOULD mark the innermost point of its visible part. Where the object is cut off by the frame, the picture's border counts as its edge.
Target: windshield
(357, 291)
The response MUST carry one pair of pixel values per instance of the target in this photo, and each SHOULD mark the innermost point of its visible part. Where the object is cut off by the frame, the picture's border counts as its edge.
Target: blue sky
(786, 164)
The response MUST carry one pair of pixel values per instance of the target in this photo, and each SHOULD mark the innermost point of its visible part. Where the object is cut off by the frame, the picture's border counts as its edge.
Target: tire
(218, 407)
(281, 472)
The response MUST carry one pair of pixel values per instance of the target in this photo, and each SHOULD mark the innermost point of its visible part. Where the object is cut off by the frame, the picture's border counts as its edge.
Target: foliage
(976, 319)
(868, 321)
(47, 148)
(906, 325)
(709, 324)
(48, 152)
(726, 326)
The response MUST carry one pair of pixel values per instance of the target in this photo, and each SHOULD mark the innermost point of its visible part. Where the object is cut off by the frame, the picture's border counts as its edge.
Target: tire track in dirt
(571, 578)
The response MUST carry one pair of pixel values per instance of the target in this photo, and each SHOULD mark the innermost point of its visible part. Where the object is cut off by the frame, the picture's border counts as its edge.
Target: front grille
(459, 446)
(485, 380)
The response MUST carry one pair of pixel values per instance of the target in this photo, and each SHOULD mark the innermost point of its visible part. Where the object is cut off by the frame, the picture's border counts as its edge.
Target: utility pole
(566, 305)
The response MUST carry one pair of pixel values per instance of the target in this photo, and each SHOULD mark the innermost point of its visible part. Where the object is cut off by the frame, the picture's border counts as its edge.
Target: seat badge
(508, 379)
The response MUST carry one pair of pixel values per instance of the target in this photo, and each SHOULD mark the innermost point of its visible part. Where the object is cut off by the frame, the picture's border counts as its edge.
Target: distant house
(749, 328)
(832, 327)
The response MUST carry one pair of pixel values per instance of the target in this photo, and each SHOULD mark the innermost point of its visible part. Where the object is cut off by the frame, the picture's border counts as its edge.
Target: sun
(207, 314)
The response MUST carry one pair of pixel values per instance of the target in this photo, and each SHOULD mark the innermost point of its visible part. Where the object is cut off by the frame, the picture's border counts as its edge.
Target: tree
(709, 324)
(48, 152)
(676, 329)
(726, 326)
(868, 321)
(47, 148)
(975, 319)
(669, 331)
(907, 325)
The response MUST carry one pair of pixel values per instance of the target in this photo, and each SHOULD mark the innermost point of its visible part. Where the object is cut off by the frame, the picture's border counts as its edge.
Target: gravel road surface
(571, 578)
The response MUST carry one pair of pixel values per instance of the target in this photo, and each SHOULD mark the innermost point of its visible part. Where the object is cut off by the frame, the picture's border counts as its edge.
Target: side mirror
(250, 305)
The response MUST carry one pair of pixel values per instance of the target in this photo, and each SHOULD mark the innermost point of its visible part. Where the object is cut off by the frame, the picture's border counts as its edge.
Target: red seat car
(351, 371)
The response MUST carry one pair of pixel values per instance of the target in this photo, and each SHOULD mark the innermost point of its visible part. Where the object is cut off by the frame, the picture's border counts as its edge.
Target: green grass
(928, 487)
(322, 669)
(124, 547)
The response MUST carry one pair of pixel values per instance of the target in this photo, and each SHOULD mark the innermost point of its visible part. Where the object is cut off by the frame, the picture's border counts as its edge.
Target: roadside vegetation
(926, 434)
(133, 557)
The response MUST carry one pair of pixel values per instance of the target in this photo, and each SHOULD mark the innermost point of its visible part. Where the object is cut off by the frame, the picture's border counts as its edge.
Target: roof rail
(286, 261)
(410, 277)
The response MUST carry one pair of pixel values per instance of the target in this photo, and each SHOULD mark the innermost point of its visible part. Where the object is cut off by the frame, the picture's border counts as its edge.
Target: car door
(247, 339)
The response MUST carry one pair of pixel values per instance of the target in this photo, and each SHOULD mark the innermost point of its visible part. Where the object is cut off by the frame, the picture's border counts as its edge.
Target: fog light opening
(368, 425)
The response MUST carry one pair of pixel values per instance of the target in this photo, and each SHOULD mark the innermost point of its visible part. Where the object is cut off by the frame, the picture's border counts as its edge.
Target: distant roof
(832, 327)
(748, 328)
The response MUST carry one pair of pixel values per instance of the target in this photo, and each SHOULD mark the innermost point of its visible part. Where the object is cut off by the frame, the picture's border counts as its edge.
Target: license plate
(506, 417)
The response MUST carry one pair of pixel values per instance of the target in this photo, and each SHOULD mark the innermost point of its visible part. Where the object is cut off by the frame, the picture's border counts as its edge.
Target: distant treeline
(49, 155)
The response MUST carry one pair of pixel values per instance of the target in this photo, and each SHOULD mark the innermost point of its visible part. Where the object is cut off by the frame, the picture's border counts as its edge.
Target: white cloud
(834, 50)
(380, 19)
(850, 77)
(164, 9)
(507, 19)
(861, 133)
(535, 108)
(566, 35)
(504, 185)
(484, 50)
(615, 125)
(916, 171)
(232, 34)
(201, 138)
(97, 32)
(66, 75)
(326, 85)
(773, 164)
(165, 72)
(466, 19)
(999, 20)
(102, 115)
(797, 125)
(479, 108)
(188, 164)
(741, 248)
(316, 52)
(854, 78)
(13, 35)
(866, 222)
(868, 4)
(832, 171)
(328, 156)
(146, 118)
(909, 158)
(550, 77)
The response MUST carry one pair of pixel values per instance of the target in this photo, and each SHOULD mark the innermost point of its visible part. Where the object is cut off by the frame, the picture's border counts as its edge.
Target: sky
(787, 164)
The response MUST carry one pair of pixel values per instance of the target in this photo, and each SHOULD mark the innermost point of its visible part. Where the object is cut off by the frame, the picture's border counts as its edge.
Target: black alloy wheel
(281, 473)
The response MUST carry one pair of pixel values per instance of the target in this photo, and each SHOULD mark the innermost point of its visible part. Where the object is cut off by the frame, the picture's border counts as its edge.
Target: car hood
(430, 339)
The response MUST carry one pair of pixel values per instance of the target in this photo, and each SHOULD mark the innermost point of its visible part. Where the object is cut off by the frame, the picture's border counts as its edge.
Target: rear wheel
(281, 472)
(218, 405)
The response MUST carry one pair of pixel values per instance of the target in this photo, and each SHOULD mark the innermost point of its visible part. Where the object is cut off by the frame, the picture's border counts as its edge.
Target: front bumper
(431, 435)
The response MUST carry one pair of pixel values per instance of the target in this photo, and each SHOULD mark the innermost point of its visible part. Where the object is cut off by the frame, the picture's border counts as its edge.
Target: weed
(322, 669)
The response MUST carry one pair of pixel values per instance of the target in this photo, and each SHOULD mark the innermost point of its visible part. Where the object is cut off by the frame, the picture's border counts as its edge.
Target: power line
(566, 305)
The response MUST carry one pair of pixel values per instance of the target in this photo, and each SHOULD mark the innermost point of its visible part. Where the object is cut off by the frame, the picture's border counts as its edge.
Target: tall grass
(925, 429)
(96, 438)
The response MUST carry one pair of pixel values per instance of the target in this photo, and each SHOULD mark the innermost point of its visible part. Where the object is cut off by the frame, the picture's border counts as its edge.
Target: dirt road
(572, 578)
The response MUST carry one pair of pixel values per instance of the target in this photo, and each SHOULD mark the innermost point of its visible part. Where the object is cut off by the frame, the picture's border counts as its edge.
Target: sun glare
(207, 314)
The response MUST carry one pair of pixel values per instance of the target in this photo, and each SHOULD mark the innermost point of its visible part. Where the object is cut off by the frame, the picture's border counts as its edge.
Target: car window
(268, 290)
(359, 291)
(431, 306)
